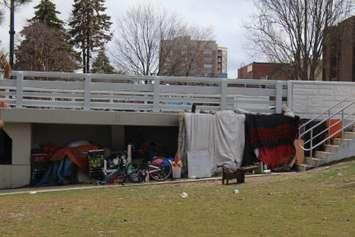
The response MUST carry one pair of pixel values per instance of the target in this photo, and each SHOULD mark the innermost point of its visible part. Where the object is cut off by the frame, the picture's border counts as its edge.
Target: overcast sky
(226, 17)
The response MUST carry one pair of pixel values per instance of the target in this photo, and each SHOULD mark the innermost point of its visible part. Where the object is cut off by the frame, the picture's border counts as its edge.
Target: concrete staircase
(339, 149)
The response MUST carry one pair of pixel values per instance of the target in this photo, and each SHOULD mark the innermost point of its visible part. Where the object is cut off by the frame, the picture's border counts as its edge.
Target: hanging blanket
(199, 144)
(273, 135)
(229, 138)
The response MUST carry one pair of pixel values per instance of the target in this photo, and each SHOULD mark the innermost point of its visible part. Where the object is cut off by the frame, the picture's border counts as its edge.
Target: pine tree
(46, 13)
(102, 64)
(89, 28)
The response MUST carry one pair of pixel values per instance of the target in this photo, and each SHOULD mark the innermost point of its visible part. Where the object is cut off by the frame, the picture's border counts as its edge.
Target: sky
(226, 17)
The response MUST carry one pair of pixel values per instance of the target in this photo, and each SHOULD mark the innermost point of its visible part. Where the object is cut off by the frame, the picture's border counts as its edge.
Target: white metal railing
(341, 118)
(106, 92)
(321, 116)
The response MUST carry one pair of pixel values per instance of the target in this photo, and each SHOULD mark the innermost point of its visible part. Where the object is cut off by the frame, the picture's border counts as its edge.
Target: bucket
(176, 172)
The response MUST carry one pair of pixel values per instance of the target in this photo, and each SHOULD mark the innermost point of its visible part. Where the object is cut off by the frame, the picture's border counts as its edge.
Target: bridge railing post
(279, 93)
(87, 91)
(223, 85)
(156, 91)
(19, 89)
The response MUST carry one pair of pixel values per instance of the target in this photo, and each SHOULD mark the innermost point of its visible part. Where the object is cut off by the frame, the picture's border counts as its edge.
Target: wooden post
(19, 89)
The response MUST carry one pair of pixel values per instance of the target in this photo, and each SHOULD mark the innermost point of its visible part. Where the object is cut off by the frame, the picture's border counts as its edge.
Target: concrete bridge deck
(45, 106)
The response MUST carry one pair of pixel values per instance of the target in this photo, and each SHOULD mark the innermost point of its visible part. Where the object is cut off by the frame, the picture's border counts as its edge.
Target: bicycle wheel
(160, 170)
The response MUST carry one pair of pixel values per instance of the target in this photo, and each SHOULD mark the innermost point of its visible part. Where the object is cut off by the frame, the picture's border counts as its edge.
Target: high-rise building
(339, 52)
(222, 61)
(184, 56)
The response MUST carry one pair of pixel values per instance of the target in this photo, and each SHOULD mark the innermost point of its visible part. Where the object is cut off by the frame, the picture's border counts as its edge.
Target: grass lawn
(317, 203)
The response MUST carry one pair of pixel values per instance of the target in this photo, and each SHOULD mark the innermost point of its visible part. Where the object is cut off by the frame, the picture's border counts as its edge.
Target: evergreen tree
(89, 28)
(46, 13)
(102, 64)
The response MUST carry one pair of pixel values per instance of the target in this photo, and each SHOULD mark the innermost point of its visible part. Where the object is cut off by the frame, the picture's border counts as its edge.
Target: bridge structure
(42, 107)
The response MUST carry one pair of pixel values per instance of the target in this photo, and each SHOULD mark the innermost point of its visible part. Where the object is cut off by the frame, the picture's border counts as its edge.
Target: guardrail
(104, 92)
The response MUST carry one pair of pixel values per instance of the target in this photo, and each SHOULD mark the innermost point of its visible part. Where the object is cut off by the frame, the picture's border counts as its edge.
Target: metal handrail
(326, 130)
(330, 137)
(322, 114)
(330, 116)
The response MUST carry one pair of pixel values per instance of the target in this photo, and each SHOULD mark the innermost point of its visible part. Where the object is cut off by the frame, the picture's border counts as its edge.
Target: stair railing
(324, 113)
(328, 116)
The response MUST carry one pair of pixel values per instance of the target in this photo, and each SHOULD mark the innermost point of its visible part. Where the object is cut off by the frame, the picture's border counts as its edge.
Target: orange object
(334, 126)
(78, 155)
(299, 143)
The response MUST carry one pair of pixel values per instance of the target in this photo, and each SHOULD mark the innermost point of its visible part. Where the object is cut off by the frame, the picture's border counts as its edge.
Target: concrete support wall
(20, 134)
(19, 173)
(14, 176)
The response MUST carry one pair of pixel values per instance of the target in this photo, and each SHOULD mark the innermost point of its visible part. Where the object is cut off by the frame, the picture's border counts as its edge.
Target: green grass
(318, 203)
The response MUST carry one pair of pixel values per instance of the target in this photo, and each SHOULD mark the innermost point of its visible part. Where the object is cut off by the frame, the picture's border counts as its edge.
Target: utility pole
(12, 31)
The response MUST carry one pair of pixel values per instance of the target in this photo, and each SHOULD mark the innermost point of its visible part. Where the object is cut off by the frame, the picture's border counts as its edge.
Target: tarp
(78, 155)
(229, 137)
(213, 140)
(200, 149)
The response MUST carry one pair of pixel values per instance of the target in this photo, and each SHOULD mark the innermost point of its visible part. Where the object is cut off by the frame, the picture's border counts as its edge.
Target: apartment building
(184, 56)
(339, 52)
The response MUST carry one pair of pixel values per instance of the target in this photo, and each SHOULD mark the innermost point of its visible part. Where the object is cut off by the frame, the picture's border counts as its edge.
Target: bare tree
(294, 31)
(139, 38)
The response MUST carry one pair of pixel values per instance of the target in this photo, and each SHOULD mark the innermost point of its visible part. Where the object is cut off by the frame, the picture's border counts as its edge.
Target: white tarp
(213, 140)
(229, 138)
(199, 136)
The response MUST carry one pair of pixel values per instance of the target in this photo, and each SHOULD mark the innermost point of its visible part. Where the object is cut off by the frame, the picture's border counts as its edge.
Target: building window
(207, 66)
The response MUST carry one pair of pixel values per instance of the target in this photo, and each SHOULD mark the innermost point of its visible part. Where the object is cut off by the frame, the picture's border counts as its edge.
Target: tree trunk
(84, 60)
(88, 60)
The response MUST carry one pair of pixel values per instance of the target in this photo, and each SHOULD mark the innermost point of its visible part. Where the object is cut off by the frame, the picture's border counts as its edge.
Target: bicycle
(159, 169)
(116, 169)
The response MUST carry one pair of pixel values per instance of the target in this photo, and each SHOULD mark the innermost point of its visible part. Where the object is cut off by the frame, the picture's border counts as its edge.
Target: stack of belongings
(270, 139)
